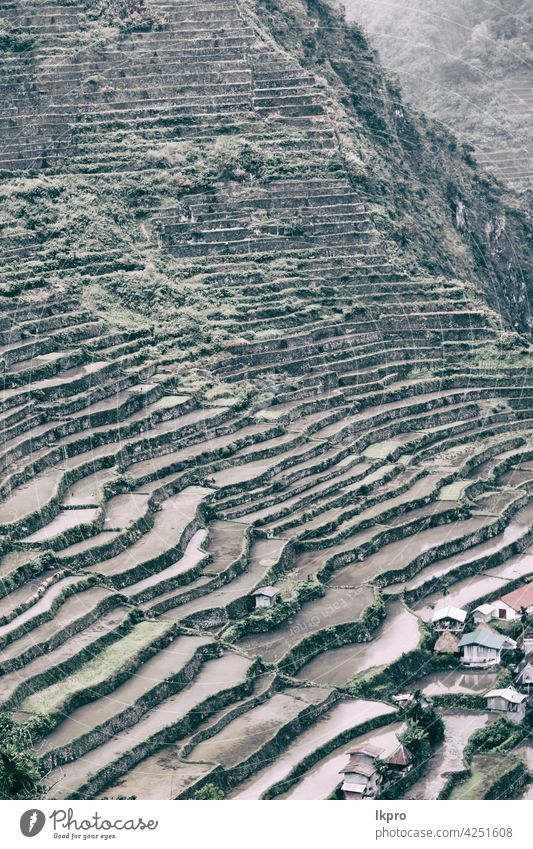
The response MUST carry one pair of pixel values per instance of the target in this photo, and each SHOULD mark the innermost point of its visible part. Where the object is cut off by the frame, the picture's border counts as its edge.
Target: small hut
(509, 702)
(401, 758)
(266, 597)
(447, 643)
(449, 619)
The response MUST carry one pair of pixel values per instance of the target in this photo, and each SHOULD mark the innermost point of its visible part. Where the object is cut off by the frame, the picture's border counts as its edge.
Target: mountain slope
(122, 144)
(258, 329)
(468, 64)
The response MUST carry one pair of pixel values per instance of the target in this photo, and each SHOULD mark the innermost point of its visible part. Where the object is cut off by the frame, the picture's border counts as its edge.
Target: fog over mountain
(469, 64)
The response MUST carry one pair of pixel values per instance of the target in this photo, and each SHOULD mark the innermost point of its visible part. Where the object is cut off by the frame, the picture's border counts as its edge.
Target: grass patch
(486, 771)
(98, 669)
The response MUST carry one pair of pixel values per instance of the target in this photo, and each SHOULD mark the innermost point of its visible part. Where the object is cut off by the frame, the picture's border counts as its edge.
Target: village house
(483, 647)
(509, 702)
(525, 640)
(266, 597)
(449, 619)
(447, 643)
(400, 760)
(363, 778)
(483, 613)
(507, 607)
(524, 675)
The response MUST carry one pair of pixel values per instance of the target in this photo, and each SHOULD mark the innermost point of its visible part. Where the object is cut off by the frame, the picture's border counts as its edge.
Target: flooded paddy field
(263, 555)
(397, 555)
(398, 634)
(224, 672)
(342, 717)
(334, 608)
(456, 681)
(320, 781)
(271, 396)
(458, 728)
(469, 590)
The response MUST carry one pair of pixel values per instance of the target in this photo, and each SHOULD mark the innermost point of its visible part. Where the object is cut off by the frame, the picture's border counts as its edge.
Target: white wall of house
(503, 611)
(479, 616)
(264, 601)
(512, 710)
(480, 654)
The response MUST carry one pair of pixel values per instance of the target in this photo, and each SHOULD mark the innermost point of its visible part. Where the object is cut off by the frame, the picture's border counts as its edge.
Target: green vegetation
(462, 64)
(19, 775)
(209, 792)
(492, 777)
(92, 674)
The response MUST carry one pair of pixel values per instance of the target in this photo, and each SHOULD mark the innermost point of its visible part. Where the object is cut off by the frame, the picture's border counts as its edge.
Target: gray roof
(268, 591)
(509, 695)
(485, 637)
(451, 612)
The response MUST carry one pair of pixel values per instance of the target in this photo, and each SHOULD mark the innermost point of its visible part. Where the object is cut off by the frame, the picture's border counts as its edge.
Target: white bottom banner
(237, 825)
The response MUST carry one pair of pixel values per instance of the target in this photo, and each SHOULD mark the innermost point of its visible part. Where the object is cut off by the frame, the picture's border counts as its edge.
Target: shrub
(209, 792)
(19, 775)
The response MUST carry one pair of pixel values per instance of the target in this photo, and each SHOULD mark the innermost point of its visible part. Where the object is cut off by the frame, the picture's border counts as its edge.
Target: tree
(426, 717)
(416, 741)
(209, 792)
(19, 775)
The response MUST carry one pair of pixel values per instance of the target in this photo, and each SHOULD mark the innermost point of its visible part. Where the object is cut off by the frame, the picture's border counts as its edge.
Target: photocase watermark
(32, 822)
(66, 826)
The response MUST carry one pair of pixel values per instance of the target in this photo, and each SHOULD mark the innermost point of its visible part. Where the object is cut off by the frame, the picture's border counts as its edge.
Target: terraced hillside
(220, 372)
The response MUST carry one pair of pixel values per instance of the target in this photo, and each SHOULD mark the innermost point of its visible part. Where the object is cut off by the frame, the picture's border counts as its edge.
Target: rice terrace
(267, 417)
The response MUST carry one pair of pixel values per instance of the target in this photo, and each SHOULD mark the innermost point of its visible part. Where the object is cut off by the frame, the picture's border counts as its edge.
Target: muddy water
(216, 675)
(40, 606)
(32, 496)
(286, 500)
(336, 607)
(76, 643)
(333, 513)
(321, 780)
(459, 726)
(192, 555)
(168, 527)
(88, 491)
(399, 554)
(74, 608)
(249, 733)
(470, 589)
(263, 555)
(164, 775)
(340, 718)
(310, 563)
(166, 662)
(456, 681)
(512, 533)
(123, 510)
(64, 521)
(398, 634)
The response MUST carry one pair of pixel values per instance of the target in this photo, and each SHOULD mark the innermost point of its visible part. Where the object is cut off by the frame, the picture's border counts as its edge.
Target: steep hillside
(469, 64)
(115, 157)
(259, 328)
